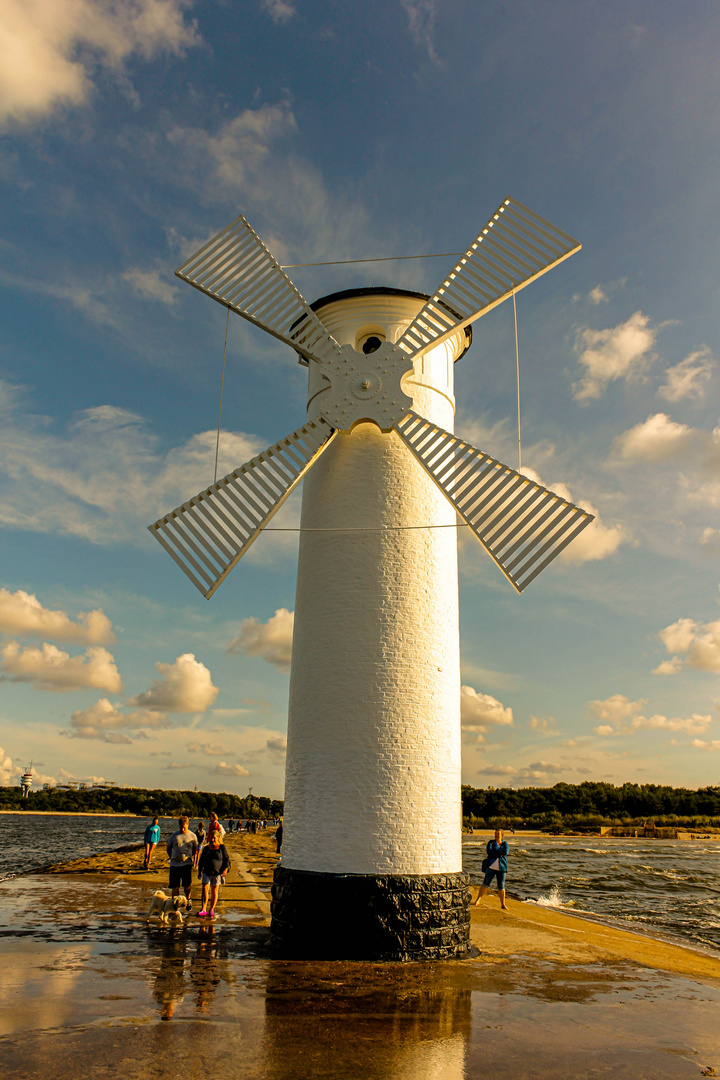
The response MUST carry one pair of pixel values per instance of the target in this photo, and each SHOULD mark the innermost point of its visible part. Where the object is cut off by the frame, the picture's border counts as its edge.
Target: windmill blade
(207, 535)
(237, 269)
(522, 525)
(515, 247)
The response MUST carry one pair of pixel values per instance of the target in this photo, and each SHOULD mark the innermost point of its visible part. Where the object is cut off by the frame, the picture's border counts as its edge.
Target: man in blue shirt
(152, 835)
(497, 853)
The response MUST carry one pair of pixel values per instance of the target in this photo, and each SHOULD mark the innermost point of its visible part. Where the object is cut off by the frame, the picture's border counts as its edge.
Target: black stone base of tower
(367, 917)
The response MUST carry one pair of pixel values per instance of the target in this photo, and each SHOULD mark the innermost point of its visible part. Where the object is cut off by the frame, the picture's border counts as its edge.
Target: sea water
(31, 841)
(665, 887)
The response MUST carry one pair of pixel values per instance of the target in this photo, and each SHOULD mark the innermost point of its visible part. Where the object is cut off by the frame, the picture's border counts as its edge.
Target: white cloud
(9, 773)
(615, 711)
(656, 439)
(252, 159)
(536, 770)
(280, 11)
(479, 712)
(497, 770)
(543, 724)
(421, 23)
(692, 724)
(597, 540)
(50, 49)
(698, 645)
(597, 295)
(103, 719)
(619, 352)
(668, 667)
(679, 636)
(710, 536)
(625, 719)
(151, 285)
(223, 769)
(698, 489)
(179, 765)
(205, 748)
(48, 668)
(22, 615)
(702, 744)
(615, 708)
(104, 479)
(689, 378)
(184, 686)
(272, 641)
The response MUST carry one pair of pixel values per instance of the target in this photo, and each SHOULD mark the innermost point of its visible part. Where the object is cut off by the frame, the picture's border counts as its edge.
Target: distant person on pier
(278, 838)
(182, 848)
(495, 867)
(152, 836)
(212, 868)
(214, 826)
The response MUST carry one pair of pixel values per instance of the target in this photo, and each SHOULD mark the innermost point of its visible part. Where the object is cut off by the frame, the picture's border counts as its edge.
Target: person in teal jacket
(497, 853)
(152, 835)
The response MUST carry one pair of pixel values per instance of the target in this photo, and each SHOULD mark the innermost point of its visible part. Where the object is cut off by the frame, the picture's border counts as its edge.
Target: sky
(131, 132)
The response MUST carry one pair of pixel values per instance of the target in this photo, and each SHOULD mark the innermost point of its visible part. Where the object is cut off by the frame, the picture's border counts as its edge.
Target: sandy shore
(92, 988)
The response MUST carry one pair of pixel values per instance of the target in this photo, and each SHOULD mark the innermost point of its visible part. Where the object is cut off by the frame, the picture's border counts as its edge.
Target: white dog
(167, 907)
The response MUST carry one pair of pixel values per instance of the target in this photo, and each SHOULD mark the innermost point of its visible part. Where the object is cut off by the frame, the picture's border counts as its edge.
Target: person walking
(278, 838)
(200, 834)
(496, 863)
(215, 826)
(152, 836)
(182, 847)
(212, 868)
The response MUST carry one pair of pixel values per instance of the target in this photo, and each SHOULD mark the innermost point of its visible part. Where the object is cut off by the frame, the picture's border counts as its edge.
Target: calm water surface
(28, 841)
(666, 886)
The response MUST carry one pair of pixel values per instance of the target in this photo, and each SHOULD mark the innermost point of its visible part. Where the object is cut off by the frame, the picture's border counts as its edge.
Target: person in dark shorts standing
(497, 853)
(212, 868)
(200, 836)
(152, 835)
(181, 847)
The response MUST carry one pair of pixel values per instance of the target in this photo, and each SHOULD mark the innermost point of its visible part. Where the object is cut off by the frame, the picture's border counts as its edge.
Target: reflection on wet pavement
(90, 989)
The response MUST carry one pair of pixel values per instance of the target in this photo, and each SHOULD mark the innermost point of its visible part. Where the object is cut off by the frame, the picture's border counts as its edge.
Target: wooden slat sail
(207, 535)
(522, 525)
(515, 247)
(237, 269)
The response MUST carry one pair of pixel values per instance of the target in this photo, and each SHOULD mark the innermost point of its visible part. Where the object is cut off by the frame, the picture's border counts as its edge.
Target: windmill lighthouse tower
(26, 781)
(371, 864)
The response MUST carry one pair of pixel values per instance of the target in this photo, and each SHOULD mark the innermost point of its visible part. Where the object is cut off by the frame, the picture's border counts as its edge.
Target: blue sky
(129, 134)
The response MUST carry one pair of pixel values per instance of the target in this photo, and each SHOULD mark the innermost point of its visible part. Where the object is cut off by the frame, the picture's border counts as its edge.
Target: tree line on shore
(142, 801)
(591, 803)
(565, 805)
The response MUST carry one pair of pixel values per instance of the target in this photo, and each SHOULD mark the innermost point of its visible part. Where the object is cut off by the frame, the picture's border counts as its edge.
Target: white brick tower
(373, 768)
